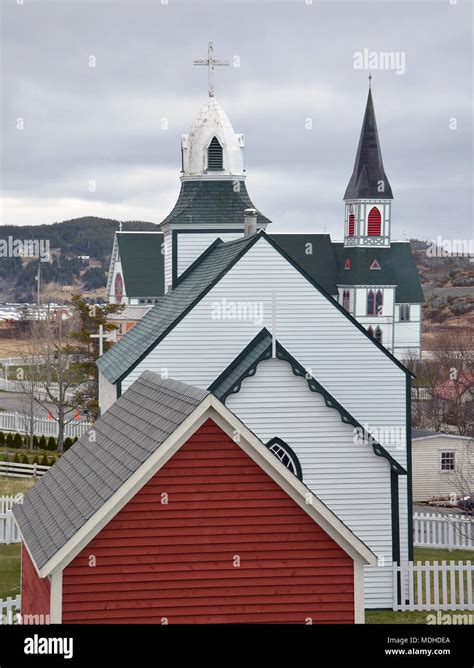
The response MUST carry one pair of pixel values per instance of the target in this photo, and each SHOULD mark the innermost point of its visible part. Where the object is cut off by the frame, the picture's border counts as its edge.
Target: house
(175, 512)
(443, 464)
(371, 275)
(457, 390)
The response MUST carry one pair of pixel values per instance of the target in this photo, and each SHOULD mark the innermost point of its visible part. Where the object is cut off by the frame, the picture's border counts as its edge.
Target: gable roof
(454, 388)
(142, 263)
(138, 434)
(261, 348)
(190, 288)
(315, 254)
(174, 305)
(424, 434)
(213, 203)
(368, 167)
(397, 267)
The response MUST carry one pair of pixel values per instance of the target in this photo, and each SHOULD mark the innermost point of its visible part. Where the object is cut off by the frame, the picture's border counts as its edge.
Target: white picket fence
(39, 391)
(14, 470)
(433, 586)
(9, 532)
(452, 531)
(9, 608)
(16, 422)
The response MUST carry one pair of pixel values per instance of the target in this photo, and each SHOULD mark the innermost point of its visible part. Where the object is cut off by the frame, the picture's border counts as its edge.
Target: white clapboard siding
(191, 246)
(349, 478)
(434, 586)
(451, 531)
(9, 608)
(365, 381)
(428, 479)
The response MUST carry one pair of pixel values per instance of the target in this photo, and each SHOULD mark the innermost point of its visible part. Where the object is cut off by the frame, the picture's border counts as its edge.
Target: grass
(11, 486)
(420, 617)
(9, 570)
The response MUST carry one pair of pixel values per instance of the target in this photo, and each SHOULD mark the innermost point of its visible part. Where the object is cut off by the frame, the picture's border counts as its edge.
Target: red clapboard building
(175, 512)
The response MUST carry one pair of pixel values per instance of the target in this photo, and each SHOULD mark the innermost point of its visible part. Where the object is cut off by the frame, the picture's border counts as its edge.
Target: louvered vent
(214, 155)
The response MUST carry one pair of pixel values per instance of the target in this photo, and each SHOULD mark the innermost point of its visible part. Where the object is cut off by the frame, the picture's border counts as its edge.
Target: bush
(9, 440)
(2, 438)
(24, 459)
(16, 458)
(44, 460)
(52, 443)
(35, 443)
(42, 443)
(67, 443)
(18, 441)
(75, 439)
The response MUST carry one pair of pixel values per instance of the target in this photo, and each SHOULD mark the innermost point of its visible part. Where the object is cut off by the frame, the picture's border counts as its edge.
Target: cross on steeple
(211, 62)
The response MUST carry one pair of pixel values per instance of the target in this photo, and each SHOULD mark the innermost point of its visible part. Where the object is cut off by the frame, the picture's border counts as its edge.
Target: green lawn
(10, 486)
(9, 570)
(420, 554)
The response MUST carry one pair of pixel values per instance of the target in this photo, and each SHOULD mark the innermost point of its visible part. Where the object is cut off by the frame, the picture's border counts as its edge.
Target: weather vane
(211, 62)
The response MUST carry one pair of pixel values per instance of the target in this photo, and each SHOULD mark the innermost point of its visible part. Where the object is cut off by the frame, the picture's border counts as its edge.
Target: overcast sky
(105, 123)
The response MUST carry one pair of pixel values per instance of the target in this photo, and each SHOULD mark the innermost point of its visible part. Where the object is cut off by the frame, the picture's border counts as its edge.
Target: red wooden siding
(374, 222)
(35, 591)
(174, 562)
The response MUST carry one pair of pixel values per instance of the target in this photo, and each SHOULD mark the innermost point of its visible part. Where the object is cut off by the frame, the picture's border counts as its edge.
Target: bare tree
(28, 375)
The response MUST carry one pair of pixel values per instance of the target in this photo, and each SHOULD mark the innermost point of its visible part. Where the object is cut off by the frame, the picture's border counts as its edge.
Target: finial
(120, 226)
(210, 62)
(370, 80)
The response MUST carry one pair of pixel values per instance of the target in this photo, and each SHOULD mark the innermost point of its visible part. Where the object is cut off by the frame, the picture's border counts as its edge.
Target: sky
(96, 93)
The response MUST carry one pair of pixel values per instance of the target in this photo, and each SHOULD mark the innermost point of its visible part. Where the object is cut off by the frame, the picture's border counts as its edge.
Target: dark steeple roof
(368, 168)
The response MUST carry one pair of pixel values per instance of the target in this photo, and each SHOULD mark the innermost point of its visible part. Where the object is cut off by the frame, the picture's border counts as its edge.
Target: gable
(142, 263)
(219, 505)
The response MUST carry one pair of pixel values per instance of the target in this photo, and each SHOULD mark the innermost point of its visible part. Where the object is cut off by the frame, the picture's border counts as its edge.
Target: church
(262, 392)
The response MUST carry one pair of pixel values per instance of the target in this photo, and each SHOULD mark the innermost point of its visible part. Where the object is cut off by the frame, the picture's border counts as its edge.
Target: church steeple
(368, 193)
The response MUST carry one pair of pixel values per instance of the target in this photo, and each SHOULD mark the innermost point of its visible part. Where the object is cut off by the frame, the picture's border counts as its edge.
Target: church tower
(213, 196)
(368, 195)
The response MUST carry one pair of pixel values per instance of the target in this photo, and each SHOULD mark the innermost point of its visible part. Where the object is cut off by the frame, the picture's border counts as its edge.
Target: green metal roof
(142, 263)
(397, 267)
(314, 254)
(212, 202)
(173, 306)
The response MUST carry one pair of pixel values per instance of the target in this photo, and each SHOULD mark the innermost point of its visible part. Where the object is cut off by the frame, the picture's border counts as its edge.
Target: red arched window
(346, 299)
(351, 225)
(370, 331)
(378, 334)
(370, 303)
(374, 223)
(378, 302)
(347, 264)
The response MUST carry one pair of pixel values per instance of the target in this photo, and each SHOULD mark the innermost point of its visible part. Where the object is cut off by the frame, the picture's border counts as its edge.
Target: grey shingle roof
(142, 263)
(368, 168)
(91, 472)
(212, 202)
(173, 306)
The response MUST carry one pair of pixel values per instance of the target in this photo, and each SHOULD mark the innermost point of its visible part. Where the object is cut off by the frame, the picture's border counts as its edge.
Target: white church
(302, 338)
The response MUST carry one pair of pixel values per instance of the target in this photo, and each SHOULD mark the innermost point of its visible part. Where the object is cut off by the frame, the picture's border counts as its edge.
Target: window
(118, 289)
(286, 455)
(370, 330)
(378, 302)
(374, 265)
(214, 155)
(370, 303)
(404, 312)
(378, 334)
(346, 299)
(447, 460)
(351, 231)
(347, 265)
(374, 223)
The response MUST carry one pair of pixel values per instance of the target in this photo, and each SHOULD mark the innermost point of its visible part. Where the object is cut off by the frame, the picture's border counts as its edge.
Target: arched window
(286, 455)
(378, 334)
(378, 302)
(370, 330)
(351, 230)
(347, 264)
(214, 155)
(370, 303)
(346, 300)
(374, 223)
(405, 312)
(118, 289)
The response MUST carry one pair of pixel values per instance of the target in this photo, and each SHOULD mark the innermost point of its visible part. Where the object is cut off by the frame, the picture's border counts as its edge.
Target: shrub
(44, 460)
(35, 443)
(24, 459)
(67, 443)
(52, 443)
(18, 441)
(9, 440)
(16, 458)
(2, 438)
(42, 443)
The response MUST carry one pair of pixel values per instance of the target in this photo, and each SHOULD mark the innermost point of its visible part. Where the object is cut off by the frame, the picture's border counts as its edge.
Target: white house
(443, 464)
